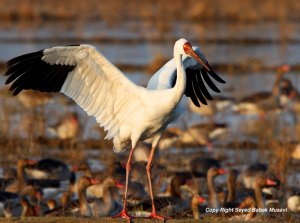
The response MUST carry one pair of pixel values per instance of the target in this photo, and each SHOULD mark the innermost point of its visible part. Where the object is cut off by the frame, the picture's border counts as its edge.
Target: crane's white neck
(181, 75)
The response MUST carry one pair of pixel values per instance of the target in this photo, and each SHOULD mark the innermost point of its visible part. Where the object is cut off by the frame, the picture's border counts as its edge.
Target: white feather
(164, 77)
(97, 86)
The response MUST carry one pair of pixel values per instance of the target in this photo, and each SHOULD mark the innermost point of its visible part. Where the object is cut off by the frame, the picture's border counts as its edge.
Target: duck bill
(31, 162)
(222, 171)
(271, 183)
(94, 181)
(120, 185)
(285, 68)
(201, 200)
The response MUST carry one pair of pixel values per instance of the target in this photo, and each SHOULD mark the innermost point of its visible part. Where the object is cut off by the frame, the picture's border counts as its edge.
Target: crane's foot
(123, 214)
(154, 215)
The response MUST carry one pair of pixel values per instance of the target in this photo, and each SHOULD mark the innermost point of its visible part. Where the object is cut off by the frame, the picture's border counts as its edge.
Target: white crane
(129, 113)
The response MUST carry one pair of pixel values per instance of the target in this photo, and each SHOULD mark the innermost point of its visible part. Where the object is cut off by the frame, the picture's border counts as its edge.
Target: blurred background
(250, 43)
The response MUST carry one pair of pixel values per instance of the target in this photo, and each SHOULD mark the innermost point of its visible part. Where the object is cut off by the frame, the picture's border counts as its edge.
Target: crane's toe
(123, 214)
(154, 215)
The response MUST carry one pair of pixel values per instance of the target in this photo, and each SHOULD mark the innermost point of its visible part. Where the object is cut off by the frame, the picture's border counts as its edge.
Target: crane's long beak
(192, 53)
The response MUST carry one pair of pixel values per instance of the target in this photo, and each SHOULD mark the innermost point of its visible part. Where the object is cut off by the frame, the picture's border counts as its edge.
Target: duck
(139, 180)
(111, 203)
(4, 182)
(201, 165)
(197, 200)
(21, 206)
(48, 168)
(78, 207)
(195, 135)
(84, 207)
(68, 128)
(289, 97)
(253, 200)
(65, 202)
(214, 201)
(57, 203)
(6, 197)
(256, 170)
(170, 204)
(21, 181)
(250, 203)
(219, 104)
(28, 210)
(260, 102)
(231, 198)
(198, 168)
(51, 204)
(251, 172)
(296, 152)
(30, 99)
(259, 184)
(95, 209)
(115, 169)
(67, 206)
(293, 200)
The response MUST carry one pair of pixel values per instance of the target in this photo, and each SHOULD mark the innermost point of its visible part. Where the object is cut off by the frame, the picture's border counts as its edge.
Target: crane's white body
(164, 77)
(128, 112)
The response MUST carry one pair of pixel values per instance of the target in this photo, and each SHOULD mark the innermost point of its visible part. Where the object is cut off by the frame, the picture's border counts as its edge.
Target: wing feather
(84, 75)
(209, 81)
(197, 91)
(203, 87)
(197, 77)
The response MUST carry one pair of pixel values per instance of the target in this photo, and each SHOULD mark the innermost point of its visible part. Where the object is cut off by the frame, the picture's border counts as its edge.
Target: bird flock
(137, 119)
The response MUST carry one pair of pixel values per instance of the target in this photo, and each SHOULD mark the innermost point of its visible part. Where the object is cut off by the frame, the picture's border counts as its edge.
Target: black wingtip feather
(197, 91)
(202, 86)
(24, 57)
(198, 80)
(190, 93)
(215, 75)
(29, 71)
(209, 82)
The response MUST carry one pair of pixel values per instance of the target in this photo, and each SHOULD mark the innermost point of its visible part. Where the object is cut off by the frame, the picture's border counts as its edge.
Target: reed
(113, 11)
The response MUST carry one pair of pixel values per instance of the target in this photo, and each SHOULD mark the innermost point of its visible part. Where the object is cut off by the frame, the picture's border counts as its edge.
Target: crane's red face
(188, 49)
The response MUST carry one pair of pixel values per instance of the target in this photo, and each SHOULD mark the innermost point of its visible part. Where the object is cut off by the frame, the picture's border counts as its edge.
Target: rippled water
(255, 44)
(141, 50)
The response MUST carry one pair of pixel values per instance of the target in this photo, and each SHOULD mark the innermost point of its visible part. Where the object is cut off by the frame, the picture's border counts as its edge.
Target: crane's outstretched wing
(84, 75)
(198, 78)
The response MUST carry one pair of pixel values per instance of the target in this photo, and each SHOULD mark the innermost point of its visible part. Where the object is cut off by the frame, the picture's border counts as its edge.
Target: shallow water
(132, 42)
(137, 45)
(141, 54)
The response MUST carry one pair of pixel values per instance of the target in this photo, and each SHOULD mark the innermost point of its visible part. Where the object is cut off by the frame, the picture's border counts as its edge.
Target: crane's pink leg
(153, 213)
(123, 213)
